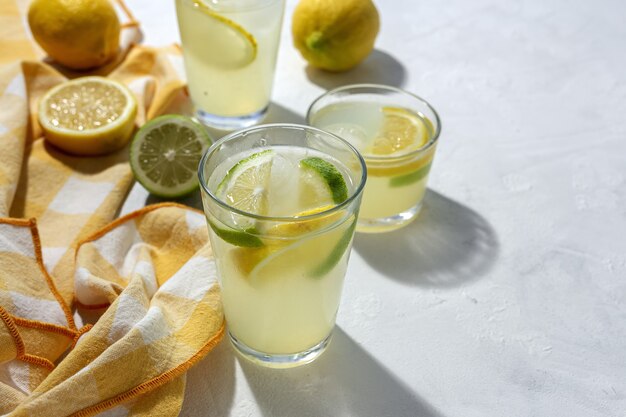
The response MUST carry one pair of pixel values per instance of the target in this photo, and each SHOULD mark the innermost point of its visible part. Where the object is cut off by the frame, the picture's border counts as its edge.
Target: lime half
(165, 154)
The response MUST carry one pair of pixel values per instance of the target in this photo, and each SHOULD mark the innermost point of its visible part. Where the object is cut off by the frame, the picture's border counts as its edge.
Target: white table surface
(508, 296)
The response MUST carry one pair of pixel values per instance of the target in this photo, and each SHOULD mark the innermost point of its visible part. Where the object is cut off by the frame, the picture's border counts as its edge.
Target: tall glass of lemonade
(281, 203)
(230, 49)
(397, 134)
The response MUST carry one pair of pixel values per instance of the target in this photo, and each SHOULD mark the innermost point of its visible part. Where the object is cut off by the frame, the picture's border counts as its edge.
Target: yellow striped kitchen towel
(153, 276)
(94, 316)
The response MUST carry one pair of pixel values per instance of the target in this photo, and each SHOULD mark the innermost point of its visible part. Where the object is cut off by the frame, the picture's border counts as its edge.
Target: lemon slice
(403, 131)
(165, 154)
(320, 253)
(88, 115)
(252, 250)
(304, 226)
(237, 47)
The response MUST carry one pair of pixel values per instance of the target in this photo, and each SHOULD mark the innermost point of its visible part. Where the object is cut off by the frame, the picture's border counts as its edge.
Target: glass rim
(401, 157)
(212, 149)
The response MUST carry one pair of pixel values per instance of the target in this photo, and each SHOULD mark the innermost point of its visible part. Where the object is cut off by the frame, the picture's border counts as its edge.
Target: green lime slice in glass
(322, 183)
(246, 184)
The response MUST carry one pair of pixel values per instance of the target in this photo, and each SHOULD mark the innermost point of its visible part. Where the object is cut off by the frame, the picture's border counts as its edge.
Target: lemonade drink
(281, 220)
(230, 50)
(396, 133)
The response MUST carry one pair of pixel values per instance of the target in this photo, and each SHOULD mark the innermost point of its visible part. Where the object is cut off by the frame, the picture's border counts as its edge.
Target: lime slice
(315, 253)
(88, 115)
(165, 154)
(237, 47)
(245, 184)
(252, 250)
(410, 178)
(336, 254)
(403, 131)
(242, 238)
(321, 183)
(245, 187)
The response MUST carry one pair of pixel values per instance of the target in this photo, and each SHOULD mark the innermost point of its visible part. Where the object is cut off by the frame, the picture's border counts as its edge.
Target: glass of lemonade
(396, 132)
(230, 49)
(281, 203)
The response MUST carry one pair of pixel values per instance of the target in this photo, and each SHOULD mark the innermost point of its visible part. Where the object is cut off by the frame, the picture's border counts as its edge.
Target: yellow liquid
(281, 305)
(282, 297)
(220, 81)
(397, 182)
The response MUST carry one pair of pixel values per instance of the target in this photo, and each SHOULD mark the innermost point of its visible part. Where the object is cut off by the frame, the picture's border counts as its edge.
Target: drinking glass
(397, 134)
(230, 48)
(281, 276)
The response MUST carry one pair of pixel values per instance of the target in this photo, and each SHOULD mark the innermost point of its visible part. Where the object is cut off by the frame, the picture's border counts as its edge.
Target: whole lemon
(78, 34)
(335, 35)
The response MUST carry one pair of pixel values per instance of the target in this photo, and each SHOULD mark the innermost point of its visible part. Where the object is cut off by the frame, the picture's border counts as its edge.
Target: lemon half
(88, 116)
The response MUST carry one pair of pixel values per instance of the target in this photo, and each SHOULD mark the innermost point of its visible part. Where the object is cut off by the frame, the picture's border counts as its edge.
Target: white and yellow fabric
(146, 282)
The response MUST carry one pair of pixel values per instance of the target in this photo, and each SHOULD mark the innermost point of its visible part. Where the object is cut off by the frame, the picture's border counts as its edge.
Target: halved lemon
(88, 115)
(237, 47)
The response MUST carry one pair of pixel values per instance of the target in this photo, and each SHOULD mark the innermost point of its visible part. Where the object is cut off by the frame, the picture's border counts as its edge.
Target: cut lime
(245, 184)
(242, 238)
(246, 187)
(336, 254)
(315, 253)
(322, 183)
(249, 255)
(411, 178)
(237, 47)
(165, 154)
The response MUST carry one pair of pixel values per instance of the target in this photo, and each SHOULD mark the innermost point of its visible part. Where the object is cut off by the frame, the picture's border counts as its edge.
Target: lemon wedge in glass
(402, 131)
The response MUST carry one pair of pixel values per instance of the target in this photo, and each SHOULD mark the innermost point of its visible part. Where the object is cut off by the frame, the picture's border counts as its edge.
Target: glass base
(388, 224)
(230, 122)
(272, 360)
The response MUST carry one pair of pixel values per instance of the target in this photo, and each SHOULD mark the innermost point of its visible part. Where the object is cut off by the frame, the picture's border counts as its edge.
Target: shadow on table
(379, 68)
(210, 384)
(192, 200)
(345, 380)
(275, 114)
(279, 114)
(448, 245)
